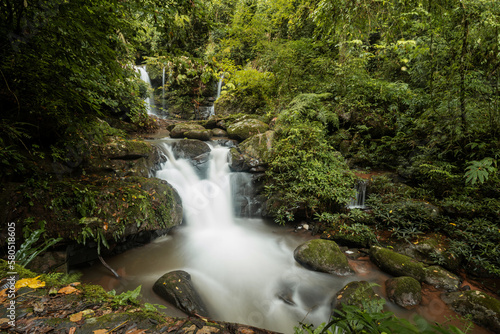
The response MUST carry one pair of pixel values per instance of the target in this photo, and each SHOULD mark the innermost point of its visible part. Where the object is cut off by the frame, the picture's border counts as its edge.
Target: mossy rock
(483, 309)
(441, 278)
(355, 293)
(123, 157)
(252, 154)
(176, 288)
(404, 291)
(324, 256)
(429, 249)
(190, 149)
(190, 131)
(216, 132)
(397, 264)
(246, 128)
(112, 207)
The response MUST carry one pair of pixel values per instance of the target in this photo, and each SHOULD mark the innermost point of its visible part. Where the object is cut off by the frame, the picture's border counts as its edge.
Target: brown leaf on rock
(75, 317)
(67, 290)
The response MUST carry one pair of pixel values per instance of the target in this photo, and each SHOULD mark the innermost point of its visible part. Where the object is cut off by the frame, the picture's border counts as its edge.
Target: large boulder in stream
(252, 154)
(190, 131)
(355, 293)
(196, 151)
(483, 309)
(177, 288)
(404, 291)
(246, 128)
(401, 265)
(324, 256)
(112, 208)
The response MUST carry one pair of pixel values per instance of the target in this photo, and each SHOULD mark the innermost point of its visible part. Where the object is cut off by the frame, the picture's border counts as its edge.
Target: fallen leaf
(75, 283)
(75, 317)
(100, 331)
(72, 330)
(136, 331)
(33, 283)
(4, 320)
(67, 290)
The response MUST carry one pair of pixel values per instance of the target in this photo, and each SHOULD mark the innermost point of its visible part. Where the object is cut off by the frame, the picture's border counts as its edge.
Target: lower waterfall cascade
(243, 268)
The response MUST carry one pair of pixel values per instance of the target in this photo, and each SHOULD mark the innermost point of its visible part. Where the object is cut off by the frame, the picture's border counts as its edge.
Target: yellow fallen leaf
(33, 283)
(101, 331)
(75, 317)
(67, 290)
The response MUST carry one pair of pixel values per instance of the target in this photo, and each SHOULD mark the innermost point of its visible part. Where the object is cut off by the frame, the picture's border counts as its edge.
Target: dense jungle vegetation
(405, 86)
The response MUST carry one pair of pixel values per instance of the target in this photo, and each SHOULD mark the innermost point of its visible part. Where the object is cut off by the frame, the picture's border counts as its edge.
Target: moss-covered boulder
(430, 249)
(216, 132)
(483, 309)
(441, 278)
(404, 291)
(108, 207)
(190, 131)
(192, 149)
(324, 256)
(355, 293)
(177, 288)
(397, 264)
(246, 128)
(123, 157)
(252, 154)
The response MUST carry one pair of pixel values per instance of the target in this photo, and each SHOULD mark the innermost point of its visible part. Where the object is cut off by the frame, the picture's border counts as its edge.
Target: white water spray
(149, 100)
(243, 273)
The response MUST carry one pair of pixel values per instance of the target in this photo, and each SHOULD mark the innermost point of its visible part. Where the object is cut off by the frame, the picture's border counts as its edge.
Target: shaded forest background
(410, 87)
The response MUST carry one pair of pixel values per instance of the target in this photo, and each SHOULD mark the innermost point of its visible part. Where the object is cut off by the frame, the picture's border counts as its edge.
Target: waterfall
(243, 272)
(149, 100)
(358, 202)
(211, 109)
(163, 89)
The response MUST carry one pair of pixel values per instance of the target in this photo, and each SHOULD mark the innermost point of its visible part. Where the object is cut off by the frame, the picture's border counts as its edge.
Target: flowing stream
(243, 268)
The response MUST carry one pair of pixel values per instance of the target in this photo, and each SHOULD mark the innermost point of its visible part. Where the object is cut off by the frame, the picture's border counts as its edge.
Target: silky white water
(243, 273)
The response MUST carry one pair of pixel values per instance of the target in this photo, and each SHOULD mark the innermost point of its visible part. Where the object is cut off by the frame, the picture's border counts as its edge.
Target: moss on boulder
(190, 131)
(441, 278)
(112, 207)
(246, 128)
(397, 264)
(252, 154)
(483, 309)
(405, 291)
(324, 256)
(355, 293)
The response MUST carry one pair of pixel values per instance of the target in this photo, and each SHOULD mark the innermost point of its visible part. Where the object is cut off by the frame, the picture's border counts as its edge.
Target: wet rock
(252, 154)
(441, 278)
(404, 291)
(430, 250)
(192, 149)
(176, 288)
(190, 131)
(123, 157)
(355, 293)
(118, 209)
(196, 151)
(483, 309)
(324, 256)
(246, 128)
(219, 132)
(397, 264)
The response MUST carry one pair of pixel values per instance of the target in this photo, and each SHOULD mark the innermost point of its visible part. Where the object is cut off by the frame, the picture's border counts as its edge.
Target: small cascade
(358, 202)
(150, 106)
(163, 89)
(211, 109)
(245, 195)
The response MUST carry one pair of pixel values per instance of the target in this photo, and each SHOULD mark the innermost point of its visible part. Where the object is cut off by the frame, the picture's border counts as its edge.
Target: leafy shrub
(370, 319)
(306, 175)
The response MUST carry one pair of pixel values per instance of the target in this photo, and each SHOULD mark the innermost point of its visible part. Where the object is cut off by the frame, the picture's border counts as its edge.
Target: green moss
(396, 264)
(94, 293)
(323, 255)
